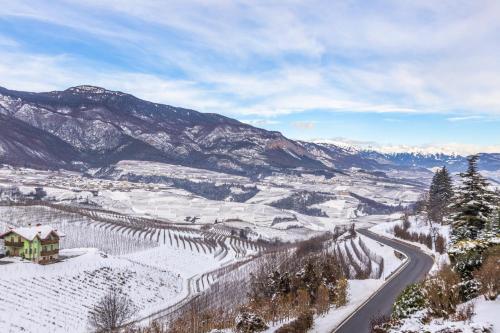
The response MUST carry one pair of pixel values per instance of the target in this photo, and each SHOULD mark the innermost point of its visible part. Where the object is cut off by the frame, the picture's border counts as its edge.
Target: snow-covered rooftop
(29, 233)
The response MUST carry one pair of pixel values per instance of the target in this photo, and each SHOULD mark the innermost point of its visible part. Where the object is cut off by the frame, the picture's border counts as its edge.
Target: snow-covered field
(57, 297)
(162, 243)
(173, 171)
(154, 267)
(178, 205)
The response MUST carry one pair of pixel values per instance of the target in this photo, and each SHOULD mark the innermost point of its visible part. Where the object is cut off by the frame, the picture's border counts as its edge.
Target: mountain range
(88, 127)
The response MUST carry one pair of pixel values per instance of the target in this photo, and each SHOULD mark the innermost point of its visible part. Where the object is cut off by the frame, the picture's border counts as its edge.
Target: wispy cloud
(260, 122)
(304, 124)
(265, 60)
(465, 118)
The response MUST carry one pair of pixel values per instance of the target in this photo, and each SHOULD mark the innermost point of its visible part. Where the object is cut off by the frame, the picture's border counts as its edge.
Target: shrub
(468, 255)
(303, 323)
(322, 299)
(488, 278)
(469, 289)
(440, 244)
(442, 292)
(464, 312)
(406, 221)
(247, 322)
(409, 301)
(303, 299)
(341, 292)
(309, 246)
(401, 232)
(380, 324)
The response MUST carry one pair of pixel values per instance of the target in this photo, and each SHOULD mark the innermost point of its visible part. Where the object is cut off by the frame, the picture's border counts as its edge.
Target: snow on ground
(59, 194)
(155, 275)
(176, 207)
(182, 262)
(485, 319)
(371, 220)
(391, 262)
(159, 200)
(79, 231)
(61, 294)
(342, 208)
(418, 225)
(359, 292)
(378, 189)
(493, 176)
(487, 312)
(269, 194)
(174, 171)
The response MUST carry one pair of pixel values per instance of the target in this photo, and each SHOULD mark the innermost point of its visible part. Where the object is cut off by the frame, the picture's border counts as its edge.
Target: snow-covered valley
(158, 231)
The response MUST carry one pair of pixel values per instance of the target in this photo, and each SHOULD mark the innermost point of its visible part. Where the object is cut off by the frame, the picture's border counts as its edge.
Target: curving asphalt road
(381, 303)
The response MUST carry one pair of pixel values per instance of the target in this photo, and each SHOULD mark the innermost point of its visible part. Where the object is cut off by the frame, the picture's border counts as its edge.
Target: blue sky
(393, 72)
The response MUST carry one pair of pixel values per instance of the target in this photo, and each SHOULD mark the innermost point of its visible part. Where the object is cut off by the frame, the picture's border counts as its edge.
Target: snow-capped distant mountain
(413, 157)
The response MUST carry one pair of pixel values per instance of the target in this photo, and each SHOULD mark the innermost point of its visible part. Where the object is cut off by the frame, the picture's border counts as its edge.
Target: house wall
(32, 249)
(11, 250)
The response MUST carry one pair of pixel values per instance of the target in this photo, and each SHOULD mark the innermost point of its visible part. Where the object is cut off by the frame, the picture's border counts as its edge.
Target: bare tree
(111, 312)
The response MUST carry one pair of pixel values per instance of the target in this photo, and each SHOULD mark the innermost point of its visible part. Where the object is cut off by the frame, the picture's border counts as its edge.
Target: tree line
(472, 209)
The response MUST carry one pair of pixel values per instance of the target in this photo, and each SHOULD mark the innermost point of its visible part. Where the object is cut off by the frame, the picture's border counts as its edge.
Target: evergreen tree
(440, 196)
(494, 223)
(474, 204)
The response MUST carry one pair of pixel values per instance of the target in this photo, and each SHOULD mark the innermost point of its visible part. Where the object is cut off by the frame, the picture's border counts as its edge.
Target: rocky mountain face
(88, 126)
(341, 158)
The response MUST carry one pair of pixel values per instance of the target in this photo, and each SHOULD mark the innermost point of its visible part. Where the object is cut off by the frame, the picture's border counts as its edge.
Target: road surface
(381, 303)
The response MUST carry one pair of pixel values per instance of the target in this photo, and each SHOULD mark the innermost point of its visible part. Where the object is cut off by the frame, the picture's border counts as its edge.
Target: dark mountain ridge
(86, 127)
(101, 127)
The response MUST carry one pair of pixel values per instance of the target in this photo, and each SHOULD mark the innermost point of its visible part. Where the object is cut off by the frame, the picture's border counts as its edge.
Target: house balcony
(48, 242)
(49, 253)
(13, 244)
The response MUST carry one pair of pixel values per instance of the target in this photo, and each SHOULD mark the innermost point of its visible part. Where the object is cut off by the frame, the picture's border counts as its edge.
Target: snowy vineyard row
(120, 234)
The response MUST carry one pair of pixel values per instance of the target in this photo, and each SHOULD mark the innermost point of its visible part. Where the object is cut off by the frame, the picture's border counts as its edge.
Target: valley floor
(163, 244)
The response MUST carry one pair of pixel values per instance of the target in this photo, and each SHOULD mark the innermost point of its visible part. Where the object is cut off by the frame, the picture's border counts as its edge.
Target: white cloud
(262, 59)
(464, 118)
(43, 73)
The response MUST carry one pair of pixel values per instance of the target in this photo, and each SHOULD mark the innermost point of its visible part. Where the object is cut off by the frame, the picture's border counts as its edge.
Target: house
(38, 243)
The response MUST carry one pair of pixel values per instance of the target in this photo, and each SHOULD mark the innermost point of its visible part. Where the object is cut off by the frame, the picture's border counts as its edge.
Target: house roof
(29, 233)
